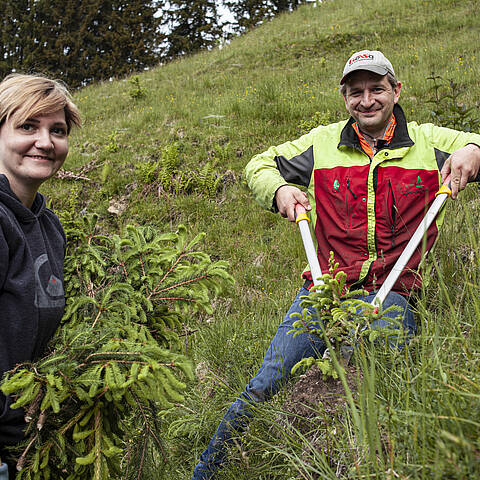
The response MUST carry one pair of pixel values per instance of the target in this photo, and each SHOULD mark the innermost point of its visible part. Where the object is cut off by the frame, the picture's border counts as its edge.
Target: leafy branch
(341, 319)
(116, 362)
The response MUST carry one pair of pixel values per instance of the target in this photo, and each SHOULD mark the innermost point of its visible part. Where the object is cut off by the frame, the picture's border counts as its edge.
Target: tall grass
(416, 410)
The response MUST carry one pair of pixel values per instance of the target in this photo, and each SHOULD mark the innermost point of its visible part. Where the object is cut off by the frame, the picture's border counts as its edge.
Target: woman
(36, 116)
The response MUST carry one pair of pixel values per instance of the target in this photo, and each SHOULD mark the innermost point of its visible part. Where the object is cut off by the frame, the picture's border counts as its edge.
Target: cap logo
(364, 56)
(371, 60)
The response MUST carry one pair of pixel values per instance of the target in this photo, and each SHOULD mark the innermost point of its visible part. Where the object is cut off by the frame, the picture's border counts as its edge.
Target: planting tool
(443, 193)
(302, 221)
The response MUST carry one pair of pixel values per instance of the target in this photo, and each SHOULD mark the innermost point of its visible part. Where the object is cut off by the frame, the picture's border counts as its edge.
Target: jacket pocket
(391, 210)
(350, 196)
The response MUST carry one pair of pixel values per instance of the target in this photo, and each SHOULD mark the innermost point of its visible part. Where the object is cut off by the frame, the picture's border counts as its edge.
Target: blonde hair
(26, 96)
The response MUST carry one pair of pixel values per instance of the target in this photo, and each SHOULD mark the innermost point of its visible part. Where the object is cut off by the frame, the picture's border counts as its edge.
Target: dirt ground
(313, 395)
(315, 408)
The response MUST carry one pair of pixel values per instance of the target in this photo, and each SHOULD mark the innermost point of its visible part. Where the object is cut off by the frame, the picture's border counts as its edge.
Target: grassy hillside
(210, 113)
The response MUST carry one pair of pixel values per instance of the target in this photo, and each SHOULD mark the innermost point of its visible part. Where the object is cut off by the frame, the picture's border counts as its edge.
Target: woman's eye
(59, 131)
(28, 127)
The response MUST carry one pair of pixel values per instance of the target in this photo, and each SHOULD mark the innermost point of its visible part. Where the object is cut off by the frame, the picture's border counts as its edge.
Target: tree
(249, 13)
(17, 33)
(93, 402)
(79, 41)
(191, 26)
(285, 5)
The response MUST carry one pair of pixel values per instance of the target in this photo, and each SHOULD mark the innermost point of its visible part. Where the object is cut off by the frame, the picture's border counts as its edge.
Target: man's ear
(396, 92)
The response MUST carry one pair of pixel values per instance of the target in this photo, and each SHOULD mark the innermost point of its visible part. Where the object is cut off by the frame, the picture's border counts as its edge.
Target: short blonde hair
(26, 96)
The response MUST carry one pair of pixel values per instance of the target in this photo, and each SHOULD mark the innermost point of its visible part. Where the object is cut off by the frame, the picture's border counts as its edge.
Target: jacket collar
(401, 138)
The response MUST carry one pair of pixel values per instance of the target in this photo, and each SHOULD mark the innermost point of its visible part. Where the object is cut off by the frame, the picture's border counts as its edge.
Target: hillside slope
(207, 115)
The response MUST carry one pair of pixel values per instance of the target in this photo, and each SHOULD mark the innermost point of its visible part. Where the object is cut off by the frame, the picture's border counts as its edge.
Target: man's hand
(287, 197)
(460, 167)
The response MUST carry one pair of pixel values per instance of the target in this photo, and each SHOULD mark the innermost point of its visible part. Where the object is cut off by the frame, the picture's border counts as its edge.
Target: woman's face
(33, 151)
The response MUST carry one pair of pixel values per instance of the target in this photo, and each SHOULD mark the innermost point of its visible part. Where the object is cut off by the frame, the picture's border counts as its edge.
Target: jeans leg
(282, 354)
(3, 471)
(406, 314)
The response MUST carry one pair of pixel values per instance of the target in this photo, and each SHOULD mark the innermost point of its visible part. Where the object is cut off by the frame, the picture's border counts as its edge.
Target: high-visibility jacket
(363, 210)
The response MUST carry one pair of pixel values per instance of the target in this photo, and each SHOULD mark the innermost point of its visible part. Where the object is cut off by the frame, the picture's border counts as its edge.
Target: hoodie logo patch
(55, 288)
(47, 293)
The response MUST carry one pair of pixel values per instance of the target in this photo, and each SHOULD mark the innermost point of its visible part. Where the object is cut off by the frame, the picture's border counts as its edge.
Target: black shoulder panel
(440, 157)
(298, 169)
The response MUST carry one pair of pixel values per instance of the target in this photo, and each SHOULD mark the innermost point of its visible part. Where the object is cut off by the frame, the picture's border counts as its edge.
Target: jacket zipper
(393, 212)
(349, 222)
(349, 189)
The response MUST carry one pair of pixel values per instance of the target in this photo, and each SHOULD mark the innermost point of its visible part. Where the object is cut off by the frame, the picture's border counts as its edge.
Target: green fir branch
(117, 354)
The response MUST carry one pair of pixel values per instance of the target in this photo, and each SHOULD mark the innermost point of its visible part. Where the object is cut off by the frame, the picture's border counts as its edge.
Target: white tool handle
(302, 222)
(413, 243)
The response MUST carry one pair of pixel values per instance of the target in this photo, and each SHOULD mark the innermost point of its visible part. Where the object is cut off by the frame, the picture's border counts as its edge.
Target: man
(368, 181)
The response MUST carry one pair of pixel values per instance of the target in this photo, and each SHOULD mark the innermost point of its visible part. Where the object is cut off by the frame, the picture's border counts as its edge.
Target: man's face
(369, 99)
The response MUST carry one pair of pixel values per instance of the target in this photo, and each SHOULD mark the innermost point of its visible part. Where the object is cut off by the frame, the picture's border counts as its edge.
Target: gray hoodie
(32, 251)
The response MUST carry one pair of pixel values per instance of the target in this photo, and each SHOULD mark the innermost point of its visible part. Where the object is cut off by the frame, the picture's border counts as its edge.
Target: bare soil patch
(313, 395)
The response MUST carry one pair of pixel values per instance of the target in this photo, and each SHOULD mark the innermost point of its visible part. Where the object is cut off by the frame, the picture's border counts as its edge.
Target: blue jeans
(3, 471)
(282, 354)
